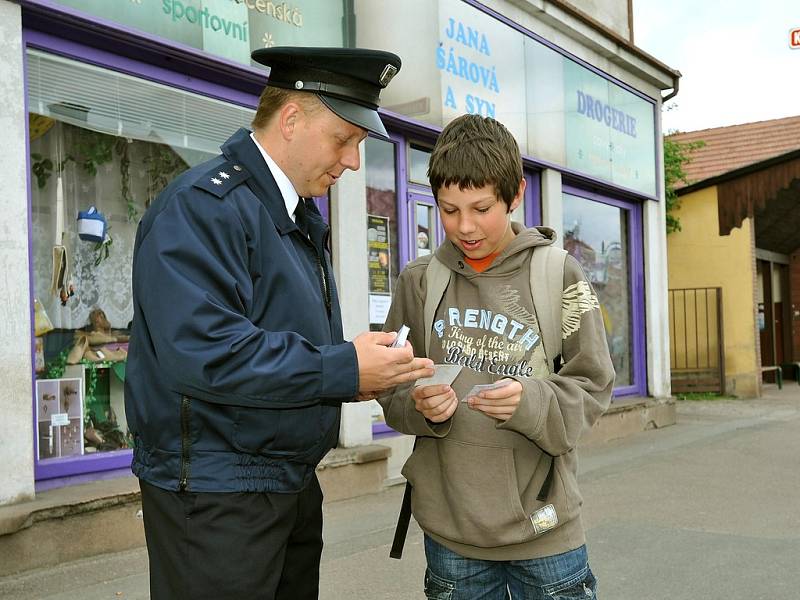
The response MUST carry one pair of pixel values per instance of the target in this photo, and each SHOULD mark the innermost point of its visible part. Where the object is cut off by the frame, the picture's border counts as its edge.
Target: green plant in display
(94, 149)
(55, 368)
(91, 381)
(42, 168)
(123, 151)
(103, 249)
(161, 167)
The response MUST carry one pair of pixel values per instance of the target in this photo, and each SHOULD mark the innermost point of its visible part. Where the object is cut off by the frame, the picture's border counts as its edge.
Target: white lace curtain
(108, 284)
(162, 129)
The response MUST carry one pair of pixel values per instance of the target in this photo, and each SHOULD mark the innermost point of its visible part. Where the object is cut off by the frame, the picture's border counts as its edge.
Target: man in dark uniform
(237, 366)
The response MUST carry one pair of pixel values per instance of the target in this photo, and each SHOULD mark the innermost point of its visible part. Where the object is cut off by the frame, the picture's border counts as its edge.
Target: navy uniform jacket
(237, 367)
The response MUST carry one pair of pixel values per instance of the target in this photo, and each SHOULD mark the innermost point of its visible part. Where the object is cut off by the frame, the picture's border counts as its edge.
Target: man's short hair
(272, 100)
(474, 151)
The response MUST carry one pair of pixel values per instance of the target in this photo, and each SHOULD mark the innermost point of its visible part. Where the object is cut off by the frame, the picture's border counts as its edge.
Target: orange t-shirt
(481, 264)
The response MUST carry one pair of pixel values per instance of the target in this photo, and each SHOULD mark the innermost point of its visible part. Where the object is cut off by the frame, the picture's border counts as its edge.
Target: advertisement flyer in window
(59, 417)
(379, 264)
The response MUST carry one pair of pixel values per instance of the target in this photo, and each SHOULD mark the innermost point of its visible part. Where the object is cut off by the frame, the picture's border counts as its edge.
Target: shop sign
(794, 38)
(608, 131)
(231, 29)
(481, 66)
(379, 264)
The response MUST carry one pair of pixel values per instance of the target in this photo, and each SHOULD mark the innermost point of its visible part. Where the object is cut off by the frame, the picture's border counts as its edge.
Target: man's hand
(381, 367)
(499, 403)
(437, 403)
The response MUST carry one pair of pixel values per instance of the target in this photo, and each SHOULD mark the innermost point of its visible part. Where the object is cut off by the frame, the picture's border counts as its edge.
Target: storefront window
(382, 231)
(383, 247)
(102, 145)
(596, 234)
(418, 159)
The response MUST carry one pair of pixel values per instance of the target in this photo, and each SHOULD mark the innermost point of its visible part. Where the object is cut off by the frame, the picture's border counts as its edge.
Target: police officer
(237, 366)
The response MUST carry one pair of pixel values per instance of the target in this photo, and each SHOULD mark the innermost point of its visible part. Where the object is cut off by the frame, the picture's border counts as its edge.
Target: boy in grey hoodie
(494, 476)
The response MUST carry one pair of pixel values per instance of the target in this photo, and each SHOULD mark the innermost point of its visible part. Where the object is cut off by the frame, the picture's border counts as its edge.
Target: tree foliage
(676, 155)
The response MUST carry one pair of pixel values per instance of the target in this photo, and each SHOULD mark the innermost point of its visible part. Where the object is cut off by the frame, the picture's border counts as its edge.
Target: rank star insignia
(224, 175)
(216, 181)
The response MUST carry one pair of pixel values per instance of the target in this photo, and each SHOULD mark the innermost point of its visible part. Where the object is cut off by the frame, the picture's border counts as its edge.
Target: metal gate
(697, 347)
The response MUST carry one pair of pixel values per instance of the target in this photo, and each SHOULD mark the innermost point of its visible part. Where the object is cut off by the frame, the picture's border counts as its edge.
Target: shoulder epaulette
(222, 179)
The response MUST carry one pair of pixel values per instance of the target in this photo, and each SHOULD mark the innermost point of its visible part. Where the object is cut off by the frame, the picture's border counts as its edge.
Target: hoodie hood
(510, 259)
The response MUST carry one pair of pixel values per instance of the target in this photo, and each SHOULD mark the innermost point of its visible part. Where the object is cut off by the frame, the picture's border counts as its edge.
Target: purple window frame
(637, 292)
(83, 466)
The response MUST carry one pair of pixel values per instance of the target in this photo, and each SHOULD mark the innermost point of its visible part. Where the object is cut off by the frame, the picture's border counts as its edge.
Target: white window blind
(119, 104)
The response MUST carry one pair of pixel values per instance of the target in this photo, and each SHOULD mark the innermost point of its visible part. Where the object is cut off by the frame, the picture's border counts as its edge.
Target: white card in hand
(443, 375)
(477, 389)
(400, 340)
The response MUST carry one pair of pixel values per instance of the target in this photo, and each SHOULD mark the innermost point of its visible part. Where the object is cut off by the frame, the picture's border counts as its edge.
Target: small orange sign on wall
(794, 38)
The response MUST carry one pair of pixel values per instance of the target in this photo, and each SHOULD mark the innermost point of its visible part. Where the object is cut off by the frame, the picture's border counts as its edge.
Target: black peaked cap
(347, 80)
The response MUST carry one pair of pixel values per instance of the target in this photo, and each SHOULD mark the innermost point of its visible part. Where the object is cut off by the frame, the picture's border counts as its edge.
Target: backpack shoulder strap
(547, 285)
(437, 278)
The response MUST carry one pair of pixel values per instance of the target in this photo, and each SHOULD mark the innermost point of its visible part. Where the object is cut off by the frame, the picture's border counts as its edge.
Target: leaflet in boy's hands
(443, 375)
(482, 387)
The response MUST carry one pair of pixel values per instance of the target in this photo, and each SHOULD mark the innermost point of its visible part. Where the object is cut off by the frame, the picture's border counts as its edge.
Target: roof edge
(745, 170)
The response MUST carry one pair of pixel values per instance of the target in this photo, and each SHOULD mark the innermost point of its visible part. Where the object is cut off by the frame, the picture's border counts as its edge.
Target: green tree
(676, 155)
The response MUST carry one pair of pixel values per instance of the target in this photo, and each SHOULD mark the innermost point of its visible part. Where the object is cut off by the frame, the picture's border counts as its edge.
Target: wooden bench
(778, 374)
(794, 367)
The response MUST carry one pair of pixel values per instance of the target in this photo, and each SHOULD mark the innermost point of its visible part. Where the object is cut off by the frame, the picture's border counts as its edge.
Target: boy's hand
(437, 403)
(499, 403)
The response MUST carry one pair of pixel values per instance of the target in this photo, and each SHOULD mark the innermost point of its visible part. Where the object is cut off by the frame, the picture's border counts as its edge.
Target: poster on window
(379, 264)
(378, 252)
(59, 417)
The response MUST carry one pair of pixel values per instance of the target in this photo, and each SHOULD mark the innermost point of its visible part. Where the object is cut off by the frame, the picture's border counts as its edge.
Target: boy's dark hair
(474, 151)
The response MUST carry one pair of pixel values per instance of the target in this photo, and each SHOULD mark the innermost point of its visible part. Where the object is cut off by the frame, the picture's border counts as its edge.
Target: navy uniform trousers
(233, 545)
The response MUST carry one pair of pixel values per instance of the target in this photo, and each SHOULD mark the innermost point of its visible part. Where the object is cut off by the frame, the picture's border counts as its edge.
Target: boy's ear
(520, 195)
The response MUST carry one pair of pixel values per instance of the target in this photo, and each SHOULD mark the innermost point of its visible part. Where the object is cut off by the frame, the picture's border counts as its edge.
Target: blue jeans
(450, 576)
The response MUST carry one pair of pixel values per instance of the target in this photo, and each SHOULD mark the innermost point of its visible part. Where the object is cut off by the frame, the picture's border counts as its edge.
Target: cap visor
(357, 115)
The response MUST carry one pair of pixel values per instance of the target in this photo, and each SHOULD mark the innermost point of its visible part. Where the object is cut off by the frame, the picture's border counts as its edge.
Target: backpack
(547, 265)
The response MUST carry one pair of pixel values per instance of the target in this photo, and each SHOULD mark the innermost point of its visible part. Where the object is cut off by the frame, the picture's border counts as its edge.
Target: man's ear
(520, 195)
(288, 119)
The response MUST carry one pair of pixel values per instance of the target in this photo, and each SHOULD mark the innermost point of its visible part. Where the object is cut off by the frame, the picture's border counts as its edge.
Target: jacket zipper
(185, 443)
(324, 280)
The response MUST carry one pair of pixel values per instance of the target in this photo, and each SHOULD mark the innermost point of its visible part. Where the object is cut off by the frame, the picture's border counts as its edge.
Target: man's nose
(351, 158)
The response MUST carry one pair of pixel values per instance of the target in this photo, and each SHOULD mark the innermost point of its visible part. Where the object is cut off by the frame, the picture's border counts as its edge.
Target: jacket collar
(240, 148)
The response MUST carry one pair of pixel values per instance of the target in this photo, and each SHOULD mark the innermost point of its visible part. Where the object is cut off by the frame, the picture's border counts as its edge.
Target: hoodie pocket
(467, 493)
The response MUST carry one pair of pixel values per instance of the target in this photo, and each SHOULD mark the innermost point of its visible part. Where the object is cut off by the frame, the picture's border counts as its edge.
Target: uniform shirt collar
(290, 196)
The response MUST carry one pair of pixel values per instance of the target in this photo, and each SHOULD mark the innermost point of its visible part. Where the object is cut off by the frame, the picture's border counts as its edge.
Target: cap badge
(389, 71)
(298, 85)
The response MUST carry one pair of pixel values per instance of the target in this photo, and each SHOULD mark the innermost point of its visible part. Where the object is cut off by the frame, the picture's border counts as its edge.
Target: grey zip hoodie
(475, 478)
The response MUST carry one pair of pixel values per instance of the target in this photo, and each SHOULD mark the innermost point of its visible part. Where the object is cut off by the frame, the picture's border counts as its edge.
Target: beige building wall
(699, 257)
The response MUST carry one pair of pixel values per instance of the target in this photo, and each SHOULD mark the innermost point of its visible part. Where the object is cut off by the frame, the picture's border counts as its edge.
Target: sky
(734, 57)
